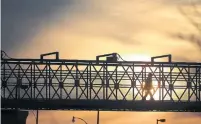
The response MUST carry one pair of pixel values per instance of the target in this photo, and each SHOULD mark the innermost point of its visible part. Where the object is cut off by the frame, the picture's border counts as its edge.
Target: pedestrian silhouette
(148, 86)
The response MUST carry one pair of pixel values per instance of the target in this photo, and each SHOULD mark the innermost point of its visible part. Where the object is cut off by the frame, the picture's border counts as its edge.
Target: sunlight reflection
(145, 58)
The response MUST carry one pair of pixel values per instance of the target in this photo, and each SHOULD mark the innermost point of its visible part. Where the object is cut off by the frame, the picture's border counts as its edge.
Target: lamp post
(98, 117)
(161, 120)
(73, 120)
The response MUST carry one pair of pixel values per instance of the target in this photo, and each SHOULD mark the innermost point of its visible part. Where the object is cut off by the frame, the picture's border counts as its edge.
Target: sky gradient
(81, 29)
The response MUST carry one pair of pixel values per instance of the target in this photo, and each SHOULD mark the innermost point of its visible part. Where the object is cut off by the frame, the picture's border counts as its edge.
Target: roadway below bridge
(103, 105)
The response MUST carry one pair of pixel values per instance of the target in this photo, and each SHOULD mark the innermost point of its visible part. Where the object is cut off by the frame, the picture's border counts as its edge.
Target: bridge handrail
(65, 61)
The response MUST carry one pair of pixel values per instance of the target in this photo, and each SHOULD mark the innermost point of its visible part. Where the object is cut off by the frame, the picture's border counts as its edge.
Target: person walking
(148, 87)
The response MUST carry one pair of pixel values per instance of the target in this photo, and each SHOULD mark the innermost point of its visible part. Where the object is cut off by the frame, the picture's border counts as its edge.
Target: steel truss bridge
(52, 84)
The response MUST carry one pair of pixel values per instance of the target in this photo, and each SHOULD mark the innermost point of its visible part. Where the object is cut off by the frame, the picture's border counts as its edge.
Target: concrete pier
(13, 117)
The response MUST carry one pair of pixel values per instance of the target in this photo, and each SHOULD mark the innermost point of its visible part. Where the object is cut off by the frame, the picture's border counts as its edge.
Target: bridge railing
(85, 79)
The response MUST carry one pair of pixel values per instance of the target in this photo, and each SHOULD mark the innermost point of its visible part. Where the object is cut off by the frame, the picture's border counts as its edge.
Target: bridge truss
(105, 85)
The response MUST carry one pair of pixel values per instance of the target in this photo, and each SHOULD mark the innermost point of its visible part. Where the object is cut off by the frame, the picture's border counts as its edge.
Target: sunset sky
(82, 29)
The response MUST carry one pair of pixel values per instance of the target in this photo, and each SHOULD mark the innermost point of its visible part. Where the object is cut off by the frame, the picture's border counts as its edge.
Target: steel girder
(54, 81)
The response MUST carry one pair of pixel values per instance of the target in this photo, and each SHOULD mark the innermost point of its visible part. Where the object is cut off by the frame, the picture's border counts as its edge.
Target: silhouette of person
(148, 86)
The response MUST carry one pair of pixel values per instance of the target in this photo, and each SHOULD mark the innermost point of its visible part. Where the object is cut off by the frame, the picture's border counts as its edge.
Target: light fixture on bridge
(169, 56)
(189, 84)
(116, 86)
(61, 84)
(77, 82)
(171, 87)
(4, 84)
(103, 81)
(21, 85)
(47, 54)
(111, 57)
(133, 82)
(91, 85)
(107, 83)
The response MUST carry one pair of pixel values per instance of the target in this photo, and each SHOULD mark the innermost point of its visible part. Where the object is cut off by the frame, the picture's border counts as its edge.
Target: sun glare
(137, 57)
(145, 58)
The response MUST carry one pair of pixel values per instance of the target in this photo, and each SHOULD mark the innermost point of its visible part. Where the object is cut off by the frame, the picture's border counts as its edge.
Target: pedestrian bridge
(52, 84)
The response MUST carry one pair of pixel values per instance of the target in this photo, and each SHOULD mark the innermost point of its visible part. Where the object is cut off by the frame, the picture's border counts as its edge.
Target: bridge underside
(104, 105)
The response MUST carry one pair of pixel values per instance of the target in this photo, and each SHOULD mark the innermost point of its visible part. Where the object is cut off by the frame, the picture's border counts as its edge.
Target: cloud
(104, 27)
(193, 16)
(84, 29)
(22, 20)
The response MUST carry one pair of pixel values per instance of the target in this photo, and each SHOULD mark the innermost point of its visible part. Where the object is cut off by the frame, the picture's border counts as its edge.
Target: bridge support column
(13, 117)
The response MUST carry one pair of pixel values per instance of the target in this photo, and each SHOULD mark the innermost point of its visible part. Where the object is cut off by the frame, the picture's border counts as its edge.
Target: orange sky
(65, 117)
(128, 27)
(123, 26)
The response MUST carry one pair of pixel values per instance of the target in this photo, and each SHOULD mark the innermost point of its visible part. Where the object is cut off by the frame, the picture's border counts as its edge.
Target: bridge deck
(104, 105)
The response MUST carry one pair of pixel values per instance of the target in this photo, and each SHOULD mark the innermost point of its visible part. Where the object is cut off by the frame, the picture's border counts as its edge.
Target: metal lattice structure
(104, 85)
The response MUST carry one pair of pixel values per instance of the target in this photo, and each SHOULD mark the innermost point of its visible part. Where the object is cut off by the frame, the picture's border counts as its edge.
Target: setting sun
(144, 58)
(137, 57)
